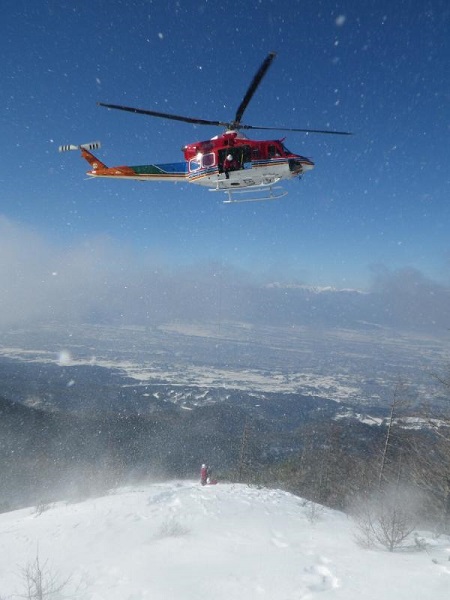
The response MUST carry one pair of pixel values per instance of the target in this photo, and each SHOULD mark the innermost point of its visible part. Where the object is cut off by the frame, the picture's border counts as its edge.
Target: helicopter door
(241, 154)
(246, 157)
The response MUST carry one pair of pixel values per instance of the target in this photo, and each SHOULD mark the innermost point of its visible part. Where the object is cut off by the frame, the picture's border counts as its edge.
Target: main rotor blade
(328, 131)
(253, 86)
(152, 113)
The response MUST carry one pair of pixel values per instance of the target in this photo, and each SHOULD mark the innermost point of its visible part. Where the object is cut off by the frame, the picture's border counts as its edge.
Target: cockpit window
(274, 151)
(194, 164)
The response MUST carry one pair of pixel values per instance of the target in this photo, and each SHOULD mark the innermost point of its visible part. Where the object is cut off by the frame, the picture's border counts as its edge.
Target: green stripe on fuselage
(163, 169)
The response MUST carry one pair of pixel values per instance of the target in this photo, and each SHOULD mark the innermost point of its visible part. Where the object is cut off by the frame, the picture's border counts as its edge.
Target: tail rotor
(89, 146)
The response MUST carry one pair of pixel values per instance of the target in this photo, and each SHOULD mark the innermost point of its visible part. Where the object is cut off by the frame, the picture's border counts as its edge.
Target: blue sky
(376, 68)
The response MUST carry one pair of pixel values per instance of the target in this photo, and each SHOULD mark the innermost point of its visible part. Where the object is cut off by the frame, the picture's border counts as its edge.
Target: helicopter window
(245, 154)
(194, 164)
(208, 160)
(273, 151)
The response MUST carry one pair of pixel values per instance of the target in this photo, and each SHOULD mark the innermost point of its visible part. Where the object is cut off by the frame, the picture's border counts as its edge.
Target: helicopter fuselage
(255, 163)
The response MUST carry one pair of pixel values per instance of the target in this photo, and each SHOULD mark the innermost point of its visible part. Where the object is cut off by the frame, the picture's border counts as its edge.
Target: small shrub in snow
(313, 510)
(171, 528)
(41, 507)
(420, 542)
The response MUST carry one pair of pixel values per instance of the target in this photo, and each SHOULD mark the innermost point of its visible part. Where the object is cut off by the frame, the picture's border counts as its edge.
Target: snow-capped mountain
(314, 289)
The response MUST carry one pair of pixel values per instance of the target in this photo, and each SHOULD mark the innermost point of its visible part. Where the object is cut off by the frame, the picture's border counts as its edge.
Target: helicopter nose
(308, 165)
(299, 165)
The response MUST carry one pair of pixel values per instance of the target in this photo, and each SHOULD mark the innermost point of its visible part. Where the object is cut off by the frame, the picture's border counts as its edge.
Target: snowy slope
(177, 540)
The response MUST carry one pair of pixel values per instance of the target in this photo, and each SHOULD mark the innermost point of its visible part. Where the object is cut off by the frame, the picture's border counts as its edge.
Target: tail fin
(86, 154)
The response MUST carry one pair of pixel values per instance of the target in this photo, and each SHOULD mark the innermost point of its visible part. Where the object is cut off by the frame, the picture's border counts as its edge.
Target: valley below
(87, 406)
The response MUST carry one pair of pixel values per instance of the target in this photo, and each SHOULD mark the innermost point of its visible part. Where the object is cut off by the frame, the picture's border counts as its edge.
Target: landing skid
(272, 193)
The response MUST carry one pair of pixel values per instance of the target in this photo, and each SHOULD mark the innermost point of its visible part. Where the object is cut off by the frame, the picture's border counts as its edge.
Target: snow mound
(181, 541)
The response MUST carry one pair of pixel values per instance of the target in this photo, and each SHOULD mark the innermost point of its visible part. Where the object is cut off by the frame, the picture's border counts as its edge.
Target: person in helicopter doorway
(204, 475)
(230, 164)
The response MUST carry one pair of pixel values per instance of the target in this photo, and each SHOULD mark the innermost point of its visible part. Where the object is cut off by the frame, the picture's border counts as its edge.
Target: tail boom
(162, 172)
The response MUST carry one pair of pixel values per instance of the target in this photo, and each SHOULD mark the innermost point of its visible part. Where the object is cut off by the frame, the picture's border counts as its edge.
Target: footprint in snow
(278, 540)
(319, 579)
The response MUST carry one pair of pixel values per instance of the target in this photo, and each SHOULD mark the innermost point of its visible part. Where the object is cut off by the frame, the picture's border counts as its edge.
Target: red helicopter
(229, 162)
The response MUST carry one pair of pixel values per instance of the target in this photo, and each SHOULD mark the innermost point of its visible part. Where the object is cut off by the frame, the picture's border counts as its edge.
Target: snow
(179, 540)
(337, 387)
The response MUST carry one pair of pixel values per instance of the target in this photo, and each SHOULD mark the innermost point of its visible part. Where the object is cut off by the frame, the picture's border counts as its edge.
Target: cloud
(103, 281)
(99, 280)
(408, 298)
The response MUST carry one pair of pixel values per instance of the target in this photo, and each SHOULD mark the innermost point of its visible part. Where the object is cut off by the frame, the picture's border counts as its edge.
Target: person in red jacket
(204, 475)
(230, 164)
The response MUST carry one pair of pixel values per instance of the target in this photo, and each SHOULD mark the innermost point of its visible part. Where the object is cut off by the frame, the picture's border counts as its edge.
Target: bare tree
(249, 452)
(387, 519)
(429, 456)
(243, 458)
(40, 582)
(398, 402)
(395, 523)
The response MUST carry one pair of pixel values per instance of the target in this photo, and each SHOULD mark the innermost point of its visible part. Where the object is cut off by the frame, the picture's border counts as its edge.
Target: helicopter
(230, 162)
